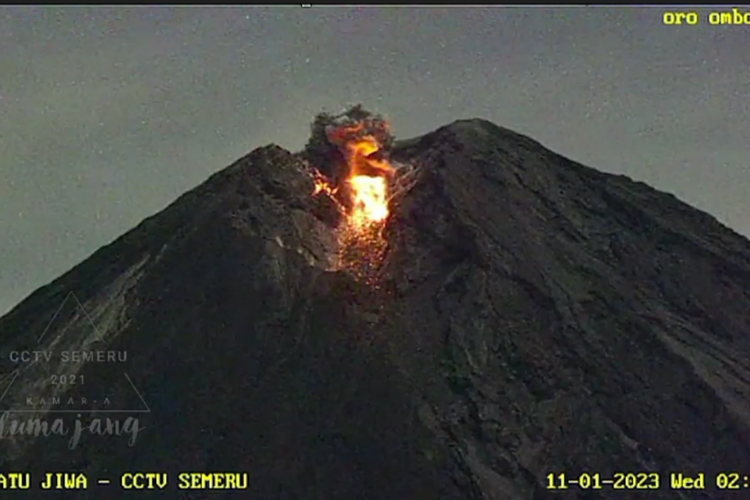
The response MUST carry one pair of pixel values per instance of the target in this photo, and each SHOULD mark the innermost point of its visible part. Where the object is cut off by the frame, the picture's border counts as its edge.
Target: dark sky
(108, 114)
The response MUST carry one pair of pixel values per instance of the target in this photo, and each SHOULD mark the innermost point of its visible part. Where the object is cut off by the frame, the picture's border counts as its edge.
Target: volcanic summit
(464, 315)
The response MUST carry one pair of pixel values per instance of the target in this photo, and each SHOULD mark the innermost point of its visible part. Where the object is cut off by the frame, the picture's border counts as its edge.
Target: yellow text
(144, 480)
(212, 481)
(64, 481)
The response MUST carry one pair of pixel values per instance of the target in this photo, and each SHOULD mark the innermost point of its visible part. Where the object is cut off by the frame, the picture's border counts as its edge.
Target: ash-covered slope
(534, 316)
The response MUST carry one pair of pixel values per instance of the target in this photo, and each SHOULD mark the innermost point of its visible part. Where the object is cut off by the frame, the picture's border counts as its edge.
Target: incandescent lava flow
(368, 176)
(361, 190)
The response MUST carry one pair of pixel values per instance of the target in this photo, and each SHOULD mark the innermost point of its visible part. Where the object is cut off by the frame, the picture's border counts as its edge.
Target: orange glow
(368, 176)
(367, 183)
(358, 157)
(370, 199)
(322, 185)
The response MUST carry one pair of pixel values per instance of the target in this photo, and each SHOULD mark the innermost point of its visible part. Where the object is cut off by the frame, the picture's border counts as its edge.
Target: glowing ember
(322, 185)
(365, 185)
(368, 176)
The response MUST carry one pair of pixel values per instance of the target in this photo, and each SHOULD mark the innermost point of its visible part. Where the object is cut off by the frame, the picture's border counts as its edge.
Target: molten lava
(364, 194)
(322, 185)
(367, 175)
(370, 200)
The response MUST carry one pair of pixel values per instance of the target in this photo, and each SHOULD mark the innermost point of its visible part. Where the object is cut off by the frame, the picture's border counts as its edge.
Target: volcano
(530, 328)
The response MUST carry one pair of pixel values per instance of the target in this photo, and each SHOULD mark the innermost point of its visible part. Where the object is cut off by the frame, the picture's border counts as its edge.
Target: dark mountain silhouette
(532, 316)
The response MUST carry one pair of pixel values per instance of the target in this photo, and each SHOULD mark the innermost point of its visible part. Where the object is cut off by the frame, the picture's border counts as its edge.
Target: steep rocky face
(530, 316)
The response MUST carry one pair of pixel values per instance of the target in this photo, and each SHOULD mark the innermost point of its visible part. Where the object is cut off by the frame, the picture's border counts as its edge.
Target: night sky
(109, 114)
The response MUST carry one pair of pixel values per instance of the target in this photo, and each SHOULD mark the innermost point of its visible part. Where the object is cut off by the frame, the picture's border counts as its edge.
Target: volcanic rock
(532, 316)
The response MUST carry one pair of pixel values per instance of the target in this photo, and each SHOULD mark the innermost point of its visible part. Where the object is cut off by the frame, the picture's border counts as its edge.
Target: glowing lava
(364, 192)
(322, 185)
(367, 175)
(370, 200)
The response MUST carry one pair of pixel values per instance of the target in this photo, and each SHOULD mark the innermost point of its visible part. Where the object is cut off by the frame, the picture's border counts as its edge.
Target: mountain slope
(533, 316)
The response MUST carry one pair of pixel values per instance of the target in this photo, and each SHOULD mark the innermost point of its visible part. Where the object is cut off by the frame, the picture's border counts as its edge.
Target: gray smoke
(329, 132)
